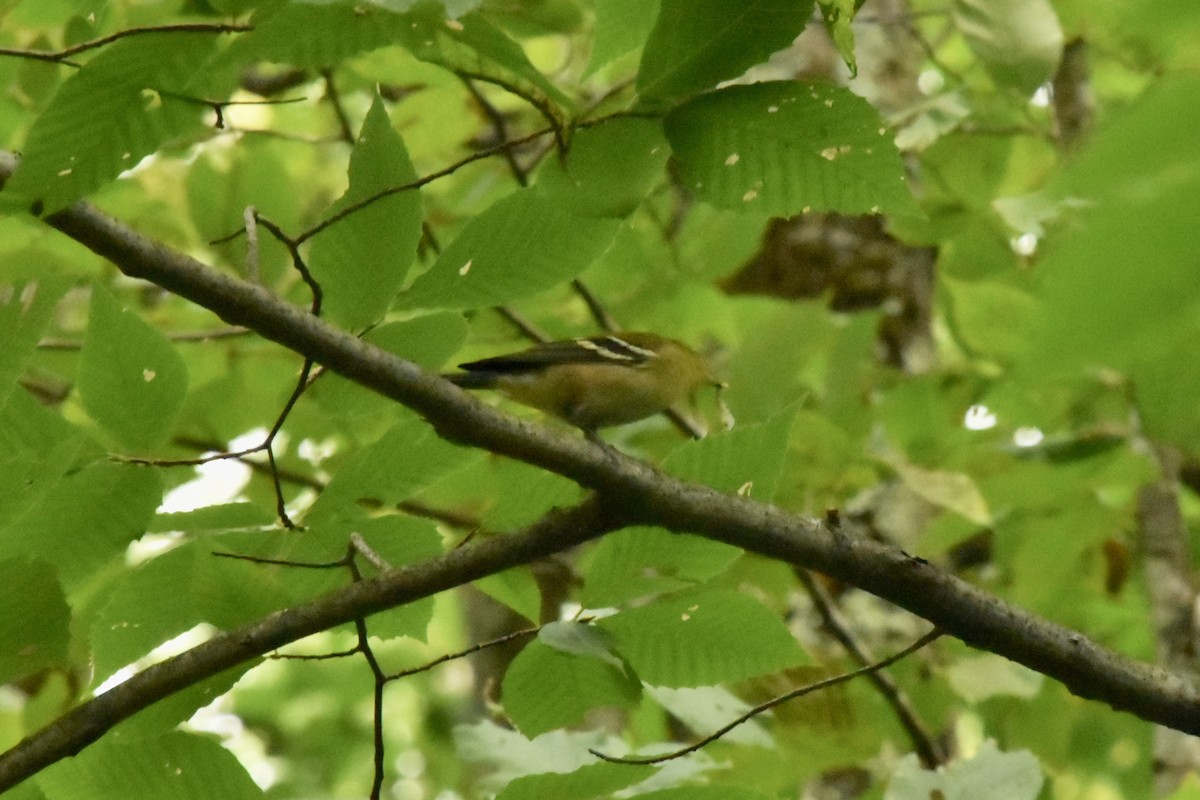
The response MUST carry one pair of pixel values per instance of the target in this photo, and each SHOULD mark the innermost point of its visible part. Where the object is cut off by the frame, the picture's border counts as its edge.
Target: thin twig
(314, 656)
(924, 743)
(417, 184)
(524, 326)
(339, 111)
(543, 105)
(442, 659)
(453, 519)
(599, 313)
(61, 56)
(783, 698)
(499, 128)
(51, 343)
(359, 545)
(364, 647)
(282, 562)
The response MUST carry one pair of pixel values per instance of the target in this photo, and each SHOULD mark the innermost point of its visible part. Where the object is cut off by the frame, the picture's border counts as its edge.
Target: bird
(594, 382)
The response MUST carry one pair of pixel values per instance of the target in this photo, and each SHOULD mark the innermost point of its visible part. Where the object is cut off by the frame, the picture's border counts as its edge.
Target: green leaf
(609, 170)
(545, 689)
(174, 765)
(838, 16)
(122, 105)
(991, 317)
(703, 638)
(580, 639)
(696, 44)
(587, 782)
(989, 775)
(219, 517)
(977, 678)
(522, 245)
(473, 47)
(173, 593)
(222, 184)
(747, 459)
(525, 493)
(25, 311)
(515, 588)
(1167, 389)
(166, 714)
(1019, 41)
(131, 379)
(87, 519)
(1124, 285)
(640, 562)
(785, 147)
(31, 474)
(407, 458)
(954, 491)
(622, 26)
(399, 541)
(708, 708)
(362, 260)
(314, 35)
(35, 625)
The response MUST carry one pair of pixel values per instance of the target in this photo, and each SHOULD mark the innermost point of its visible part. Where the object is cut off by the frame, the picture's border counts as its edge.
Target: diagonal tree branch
(634, 492)
(87, 722)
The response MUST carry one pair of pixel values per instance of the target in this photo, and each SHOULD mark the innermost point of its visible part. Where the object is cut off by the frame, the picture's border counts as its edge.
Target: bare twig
(599, 313)
(359, 545)
(775, 701)
(924, 743)
(417, 184)
(428, 665)
(339, 111)
(235, 331)
(61, 56)
(523, 326)
(499, 128)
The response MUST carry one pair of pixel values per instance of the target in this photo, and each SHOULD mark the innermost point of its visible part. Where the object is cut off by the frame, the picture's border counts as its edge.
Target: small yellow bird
(596, 381)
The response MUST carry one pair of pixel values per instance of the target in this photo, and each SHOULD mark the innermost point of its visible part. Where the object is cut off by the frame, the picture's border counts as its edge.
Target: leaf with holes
(123, 105)
(131, 379)
(786, 147)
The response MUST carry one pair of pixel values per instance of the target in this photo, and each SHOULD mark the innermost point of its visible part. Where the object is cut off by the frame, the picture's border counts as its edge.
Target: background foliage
(998, 413)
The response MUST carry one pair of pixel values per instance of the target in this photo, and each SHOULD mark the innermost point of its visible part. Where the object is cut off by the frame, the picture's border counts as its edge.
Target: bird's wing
(609, 349)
